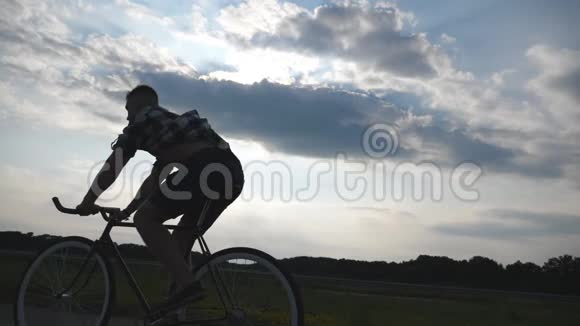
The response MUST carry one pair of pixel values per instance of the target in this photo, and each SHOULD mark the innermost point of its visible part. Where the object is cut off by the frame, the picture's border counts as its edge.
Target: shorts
(212, 173)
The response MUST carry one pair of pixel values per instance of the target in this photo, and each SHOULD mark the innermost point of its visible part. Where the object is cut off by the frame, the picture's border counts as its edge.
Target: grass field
(336, 302)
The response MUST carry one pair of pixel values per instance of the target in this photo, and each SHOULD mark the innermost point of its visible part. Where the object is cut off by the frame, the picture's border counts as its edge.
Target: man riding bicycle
(206, 169)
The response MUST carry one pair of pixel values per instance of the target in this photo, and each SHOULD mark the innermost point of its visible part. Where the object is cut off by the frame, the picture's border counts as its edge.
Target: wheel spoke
(40, 287)
(54, 267)
(63, 259)
(46, 275)
(233, 292)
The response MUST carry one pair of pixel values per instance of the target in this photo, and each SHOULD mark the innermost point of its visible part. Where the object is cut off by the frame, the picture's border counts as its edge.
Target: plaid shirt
(155, 128)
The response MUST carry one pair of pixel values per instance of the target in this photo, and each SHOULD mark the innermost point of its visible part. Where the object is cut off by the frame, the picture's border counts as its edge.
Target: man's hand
(119, 215)
(87, 208)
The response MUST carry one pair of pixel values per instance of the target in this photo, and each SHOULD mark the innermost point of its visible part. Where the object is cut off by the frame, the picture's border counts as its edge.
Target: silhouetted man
(188, 141)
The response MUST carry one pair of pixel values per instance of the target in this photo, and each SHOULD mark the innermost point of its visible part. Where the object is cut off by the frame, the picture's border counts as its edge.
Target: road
(6, 319)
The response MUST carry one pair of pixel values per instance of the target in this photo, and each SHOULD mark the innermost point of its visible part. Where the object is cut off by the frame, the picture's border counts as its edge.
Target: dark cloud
(303, 121)
(372, 37)
(515, 224)
(463, 147)
(319, 122)
(568, 83)
(558, 78)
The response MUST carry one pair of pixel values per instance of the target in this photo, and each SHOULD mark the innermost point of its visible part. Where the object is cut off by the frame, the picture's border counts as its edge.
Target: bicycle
(71, 282)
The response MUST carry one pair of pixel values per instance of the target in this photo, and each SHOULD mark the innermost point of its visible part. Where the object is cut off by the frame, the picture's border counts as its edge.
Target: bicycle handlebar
(66, 210)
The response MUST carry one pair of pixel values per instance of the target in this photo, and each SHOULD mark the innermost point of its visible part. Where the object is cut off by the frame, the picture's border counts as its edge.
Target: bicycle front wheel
(66, 284)
(247, 287)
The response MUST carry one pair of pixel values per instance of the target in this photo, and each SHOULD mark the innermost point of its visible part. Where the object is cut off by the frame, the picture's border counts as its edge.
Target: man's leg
(149, 223)
(185, 238)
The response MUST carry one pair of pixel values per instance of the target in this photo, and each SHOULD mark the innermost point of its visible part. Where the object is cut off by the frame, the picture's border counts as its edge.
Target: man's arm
(105, 178)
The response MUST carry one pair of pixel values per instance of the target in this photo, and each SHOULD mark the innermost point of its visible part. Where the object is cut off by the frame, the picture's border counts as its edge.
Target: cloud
(315, 122)
(212, 66)
(40, 37)
(473, 120)
(558, 81)
(254, 16)
(373, 37)
(141, 12)
(254, 65)
(505, 224)
(300, 121)
(382, 212)
(51, 76)
(467, 106)
(78, 83)
(447, 39)
(319, 122)
(464, 147)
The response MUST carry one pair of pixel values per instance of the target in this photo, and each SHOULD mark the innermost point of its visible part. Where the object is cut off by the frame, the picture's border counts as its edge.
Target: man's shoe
(191, 293)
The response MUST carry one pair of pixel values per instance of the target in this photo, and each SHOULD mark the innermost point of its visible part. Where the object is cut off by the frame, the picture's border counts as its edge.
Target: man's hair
(143, 90)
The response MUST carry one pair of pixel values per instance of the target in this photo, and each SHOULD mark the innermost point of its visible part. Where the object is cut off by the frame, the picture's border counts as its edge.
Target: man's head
(139, 98)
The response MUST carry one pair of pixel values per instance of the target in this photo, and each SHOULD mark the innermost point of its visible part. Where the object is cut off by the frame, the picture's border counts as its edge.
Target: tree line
(559, 275)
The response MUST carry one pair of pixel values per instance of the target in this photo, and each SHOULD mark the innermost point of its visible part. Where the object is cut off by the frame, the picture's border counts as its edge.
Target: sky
(369, 130)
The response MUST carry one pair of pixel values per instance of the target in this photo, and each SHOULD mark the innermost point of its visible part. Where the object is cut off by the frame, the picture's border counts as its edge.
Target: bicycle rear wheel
(65, 286)
(246, 287)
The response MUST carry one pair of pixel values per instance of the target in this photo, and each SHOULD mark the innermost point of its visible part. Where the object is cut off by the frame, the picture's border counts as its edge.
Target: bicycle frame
(105, 241)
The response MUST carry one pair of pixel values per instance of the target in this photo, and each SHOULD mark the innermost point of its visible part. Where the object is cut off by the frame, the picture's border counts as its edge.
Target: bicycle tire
(285, 278)
(71, 244)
